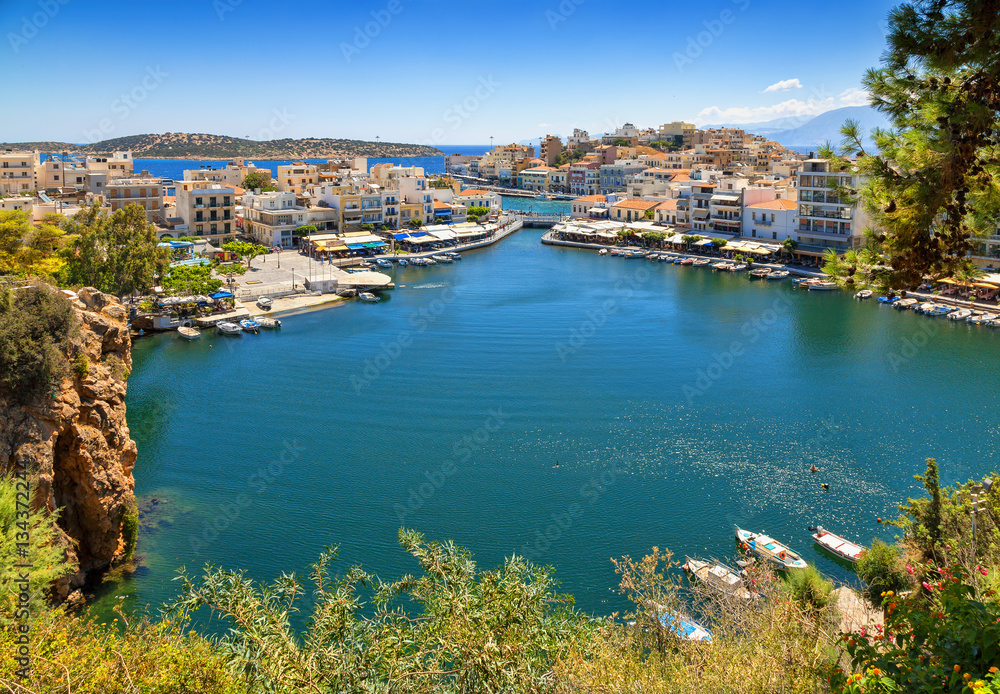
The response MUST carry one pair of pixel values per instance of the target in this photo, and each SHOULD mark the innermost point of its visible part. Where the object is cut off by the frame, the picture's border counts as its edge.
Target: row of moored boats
(692, 261)
(385, 263)
(934, 309)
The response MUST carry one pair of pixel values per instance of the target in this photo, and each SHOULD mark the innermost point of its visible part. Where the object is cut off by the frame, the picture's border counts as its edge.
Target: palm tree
(966, 275)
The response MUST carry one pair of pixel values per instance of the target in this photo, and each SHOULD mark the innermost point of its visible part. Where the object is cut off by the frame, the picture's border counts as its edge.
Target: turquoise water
(677, 401)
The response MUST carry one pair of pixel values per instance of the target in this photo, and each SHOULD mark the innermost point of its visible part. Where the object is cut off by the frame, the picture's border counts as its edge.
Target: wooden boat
(717, 576)
(759, 273)
(802, 282)
(961, 314)
(617, 251)
(768, 549)
(903, 304)
(864, 294)
(250, 325)
(635, 255)
(442, 259)
(701, 262)
(722, 265)
(686, 261)
(983, 318)
(369, 297)
(269, 323)
(382, 262)
(836, 545)
(367, 264)
(188, 333)
(227, 328)
(265, 302)
(777, 275)
(603, 251)
(822, 286)
(738, 267)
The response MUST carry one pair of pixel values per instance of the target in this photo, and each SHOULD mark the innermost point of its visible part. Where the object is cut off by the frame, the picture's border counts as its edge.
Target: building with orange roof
(776, 220)
(590, 206)
(584, 178)
(536, 178)
(631, 210)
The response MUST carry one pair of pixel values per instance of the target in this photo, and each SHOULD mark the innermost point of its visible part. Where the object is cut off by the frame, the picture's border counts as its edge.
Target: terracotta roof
(779, 204)
(475, 191)
(636, 204)
(590, 198)
(438, 205)
(538, 169)
(667, 205)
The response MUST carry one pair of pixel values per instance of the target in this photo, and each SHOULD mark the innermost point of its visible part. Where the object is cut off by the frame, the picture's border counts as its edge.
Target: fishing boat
(822, 286)
(617, 251)
(269, 323)
(888, 299)
(250, 325)
(403, 262)
(367, 264)
(760, 273)
(382, 262)
(442, 259)
(453, 255)
(769, 549)
(686, 261)
(904, 304)
(799, 281)
(738, 267)
(227, 328)
(188, 333)
(369, 297)
(265, 302)
(939, 310)
(717, 576)
(667, 258)
(925, 307)
(701, 262)
(722, 265)
(983, 318)
(603, 251)
(836, 545)
(864, 294)
(777, 275)
(635, 255)
(682, 626)
(961, 314)
(430, 261)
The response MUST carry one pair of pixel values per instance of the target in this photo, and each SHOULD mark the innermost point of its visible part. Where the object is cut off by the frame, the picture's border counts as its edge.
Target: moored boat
(864, 294)
(265, 302)
(227, 328)
(701, 262)
(983, 318)
(759, 273)
(905, 304)
(835, 544)
(369, 297)
(777, 275)
(738, 267)
(925, 307)
(382, 262)
(682, 626)
(442, 258)
(961, 314)
(603, 251)
(403, 262)
(686, 261)
(768, 549)
(939, 310)
(188, 333)
(269, 323)
(721, 265)
(250, 325)
(453, 255)
(888, 299)
(718, 577)
(822, 286)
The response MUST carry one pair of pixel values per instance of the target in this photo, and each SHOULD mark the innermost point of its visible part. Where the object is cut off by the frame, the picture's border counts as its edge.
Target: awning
(362, 238)
(221, 295)
(444, 235)
(703, 242)
(338, 248)
(598, 210)
(356, 246)
(985, 284)
(422, 240)
(399, 237)
(375, 244)
(418, 233)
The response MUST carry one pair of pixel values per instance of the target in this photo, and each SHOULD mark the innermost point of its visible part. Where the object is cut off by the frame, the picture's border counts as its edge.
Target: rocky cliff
(76, 440)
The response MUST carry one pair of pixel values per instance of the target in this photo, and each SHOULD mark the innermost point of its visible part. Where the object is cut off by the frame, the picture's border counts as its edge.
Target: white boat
(442, 258)
(269, 323)
(822, 286)
(739, 267)
(769, 550)
(453, 255)
(925, 307)
(701, 262)
(680, 625)
(227, 328)
(905, 303)
(760, 272)
(403, 262)
(723, 265)
(864, 294)
(250, 325)
(939, 310)
(961, 314)
(718, 577)
(603, 251)
(382, 262)
(983, 318)
(777, 275)
(188, 333)
(265, 302)
(369, 297)
(835, 544)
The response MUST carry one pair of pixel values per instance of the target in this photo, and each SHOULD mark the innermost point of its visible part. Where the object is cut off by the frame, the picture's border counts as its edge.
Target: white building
(827, 219)
(776, 219)
(270, 218)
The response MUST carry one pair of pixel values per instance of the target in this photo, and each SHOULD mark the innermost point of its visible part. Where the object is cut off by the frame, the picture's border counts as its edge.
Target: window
(227, 227)
(774, 235)
(199, 228)
(197, 201)
(215, 228)
(56, 177)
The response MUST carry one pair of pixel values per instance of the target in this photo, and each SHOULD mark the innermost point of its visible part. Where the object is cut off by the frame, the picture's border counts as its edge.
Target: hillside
(203, 146)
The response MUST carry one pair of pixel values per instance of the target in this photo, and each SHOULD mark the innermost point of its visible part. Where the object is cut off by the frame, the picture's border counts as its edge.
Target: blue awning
(400, 237)
(375, 244)
(221, 295)
(418, 233)
(356, 246)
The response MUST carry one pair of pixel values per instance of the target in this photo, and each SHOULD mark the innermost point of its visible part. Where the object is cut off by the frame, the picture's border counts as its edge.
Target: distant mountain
(202, 146)
(826, 127)
(762, 127)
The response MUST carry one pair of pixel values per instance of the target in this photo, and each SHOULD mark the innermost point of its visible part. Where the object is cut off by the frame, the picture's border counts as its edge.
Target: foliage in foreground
(36, 326)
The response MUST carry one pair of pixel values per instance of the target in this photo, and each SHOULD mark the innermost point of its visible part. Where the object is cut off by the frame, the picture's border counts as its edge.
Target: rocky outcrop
(76, 440)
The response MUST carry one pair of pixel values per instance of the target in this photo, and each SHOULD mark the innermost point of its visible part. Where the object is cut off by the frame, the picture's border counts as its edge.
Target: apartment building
(579, 139)
(271, 218)
(550, 149)
(827, 218)
(615, 177)
(17, 171)
(632, 210)
(293, 178)
(536, 178)
(771, 219)
(473, 197)
(145, 192)
(584, 178)
(119, 165)
(208, 209)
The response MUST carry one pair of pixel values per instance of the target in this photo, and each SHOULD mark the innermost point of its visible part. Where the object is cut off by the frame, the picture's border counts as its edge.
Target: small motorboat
(382, 262)
(269, 323)
(667, 258)
(369, 297)
(603, 251)
(722, 265)
(961, 314)
(925, 307)
(453, 255)
(769, 549)
(838, 546)
(265, 302)
(683, 627)
(250, 325)
(822, 286)
(717, 576)
(864, 294)
(983, 318)
(904, 304)
(701, 262)
(888, 299)
(686, 261)
(777, 274)
(939, 310)
(367, 264)
(635, 255)
(188, 333)
(403, 262)
(227, 328)
(738, 267)
(617, 251)
(759, 273)
(442, 258)
(799, 281)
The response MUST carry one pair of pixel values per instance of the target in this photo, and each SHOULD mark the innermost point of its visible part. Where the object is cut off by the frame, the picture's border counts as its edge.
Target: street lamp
(977, 507)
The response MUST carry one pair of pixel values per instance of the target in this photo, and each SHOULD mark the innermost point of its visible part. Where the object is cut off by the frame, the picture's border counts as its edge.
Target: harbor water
(676, 402)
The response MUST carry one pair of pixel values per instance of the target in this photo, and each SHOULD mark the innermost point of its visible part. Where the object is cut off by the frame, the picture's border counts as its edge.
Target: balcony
(843, 215)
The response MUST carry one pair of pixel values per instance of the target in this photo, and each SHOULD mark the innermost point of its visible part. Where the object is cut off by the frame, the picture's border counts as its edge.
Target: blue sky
(427, 71)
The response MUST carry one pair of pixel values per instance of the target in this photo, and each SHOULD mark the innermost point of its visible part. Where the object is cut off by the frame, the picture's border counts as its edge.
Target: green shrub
(81, 365)
(809, 589)
(130, 528)
(881, 568)
(35, 326)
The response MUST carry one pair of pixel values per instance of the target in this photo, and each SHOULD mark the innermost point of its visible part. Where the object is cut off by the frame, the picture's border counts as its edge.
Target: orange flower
(993, 669)
(958, 668)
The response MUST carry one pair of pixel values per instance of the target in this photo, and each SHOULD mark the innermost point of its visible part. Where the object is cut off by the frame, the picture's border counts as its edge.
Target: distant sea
(174, 168)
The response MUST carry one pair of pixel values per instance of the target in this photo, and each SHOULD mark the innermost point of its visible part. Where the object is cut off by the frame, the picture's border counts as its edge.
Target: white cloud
(784, 86)
(854, 97)
(786, 109)
(543, 125)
